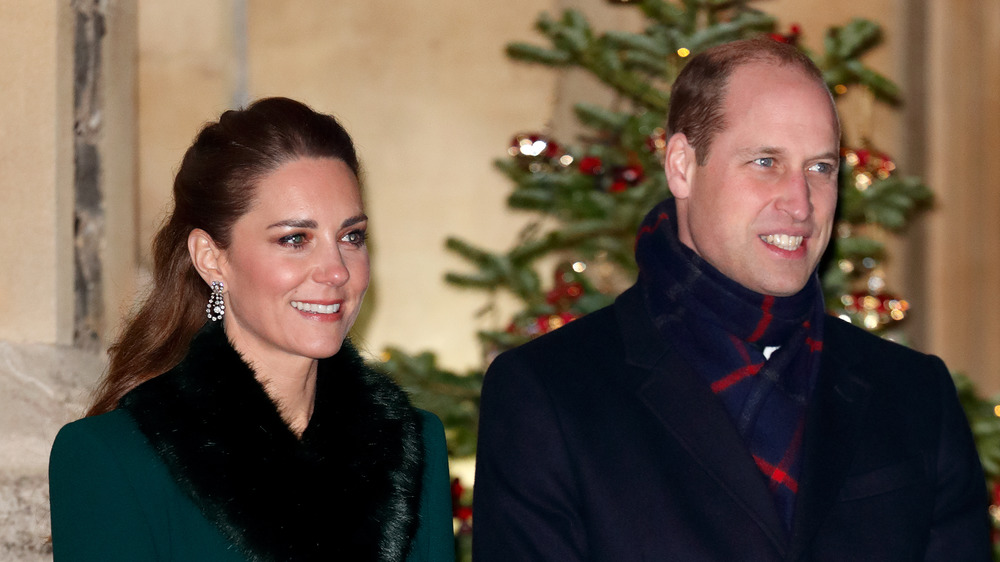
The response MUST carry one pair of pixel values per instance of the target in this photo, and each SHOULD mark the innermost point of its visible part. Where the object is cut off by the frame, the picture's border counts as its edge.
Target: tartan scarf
(721, 328)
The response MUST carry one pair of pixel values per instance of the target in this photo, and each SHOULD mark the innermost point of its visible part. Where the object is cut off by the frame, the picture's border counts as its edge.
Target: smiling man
(715, 412)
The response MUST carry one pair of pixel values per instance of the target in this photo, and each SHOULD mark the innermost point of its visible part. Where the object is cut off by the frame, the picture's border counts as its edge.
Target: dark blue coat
(597, 442)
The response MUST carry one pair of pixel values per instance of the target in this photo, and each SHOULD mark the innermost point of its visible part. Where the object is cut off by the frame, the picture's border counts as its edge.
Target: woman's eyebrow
(295, 223)
(354, 220)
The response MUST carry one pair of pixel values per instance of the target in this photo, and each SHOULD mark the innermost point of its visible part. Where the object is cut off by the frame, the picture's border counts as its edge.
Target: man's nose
(794, 197)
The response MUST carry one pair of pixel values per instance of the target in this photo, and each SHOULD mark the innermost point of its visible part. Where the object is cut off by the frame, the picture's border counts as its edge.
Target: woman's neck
(294, 391)
(289, 380)
(291, 385)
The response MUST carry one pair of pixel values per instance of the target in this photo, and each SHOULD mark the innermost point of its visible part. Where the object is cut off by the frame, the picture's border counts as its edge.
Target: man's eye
(823, 167)
(766, 162)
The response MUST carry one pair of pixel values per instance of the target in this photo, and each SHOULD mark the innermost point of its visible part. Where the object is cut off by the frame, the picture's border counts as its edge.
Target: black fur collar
(349, 489)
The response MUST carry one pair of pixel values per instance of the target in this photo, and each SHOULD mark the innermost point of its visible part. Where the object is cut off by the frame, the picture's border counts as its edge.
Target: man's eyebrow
(775, 151)
(757, 150)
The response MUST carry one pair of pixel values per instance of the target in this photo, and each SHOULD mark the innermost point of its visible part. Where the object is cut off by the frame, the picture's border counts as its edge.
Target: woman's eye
(766, 162)
(356, 237)
(293, 240)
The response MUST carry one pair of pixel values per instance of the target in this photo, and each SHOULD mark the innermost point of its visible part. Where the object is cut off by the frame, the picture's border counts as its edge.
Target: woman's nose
(330, 267)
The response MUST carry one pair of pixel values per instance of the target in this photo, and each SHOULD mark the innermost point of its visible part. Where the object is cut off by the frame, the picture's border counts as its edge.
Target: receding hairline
(774, 61)
(700, 92)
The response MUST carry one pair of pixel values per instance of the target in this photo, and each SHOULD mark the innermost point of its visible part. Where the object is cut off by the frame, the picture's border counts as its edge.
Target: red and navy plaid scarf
(722, 328)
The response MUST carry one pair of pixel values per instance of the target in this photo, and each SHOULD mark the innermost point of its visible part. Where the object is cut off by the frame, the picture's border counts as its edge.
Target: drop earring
(216, 306)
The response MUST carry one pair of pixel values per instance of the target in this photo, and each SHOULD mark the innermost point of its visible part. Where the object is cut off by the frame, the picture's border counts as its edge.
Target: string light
(683, 52)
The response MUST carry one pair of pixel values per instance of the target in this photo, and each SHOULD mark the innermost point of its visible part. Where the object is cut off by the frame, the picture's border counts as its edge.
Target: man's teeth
(316, 308)
(783, 241)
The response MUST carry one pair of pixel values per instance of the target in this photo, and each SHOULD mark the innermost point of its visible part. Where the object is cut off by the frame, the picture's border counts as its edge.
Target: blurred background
(101, 97)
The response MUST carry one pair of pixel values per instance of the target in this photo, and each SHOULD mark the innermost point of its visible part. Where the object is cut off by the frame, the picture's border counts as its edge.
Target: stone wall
(43, 387)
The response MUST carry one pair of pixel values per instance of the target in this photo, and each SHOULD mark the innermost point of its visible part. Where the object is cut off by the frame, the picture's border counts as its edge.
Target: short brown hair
(699, 93)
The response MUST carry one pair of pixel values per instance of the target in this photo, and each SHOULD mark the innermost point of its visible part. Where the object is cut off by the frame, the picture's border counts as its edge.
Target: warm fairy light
(996, 410)
(840, 89)
(871, 321)
(565, 159)
(863, 180)
(531, 147)
(555, 322)
(683, 52)
(579, 267)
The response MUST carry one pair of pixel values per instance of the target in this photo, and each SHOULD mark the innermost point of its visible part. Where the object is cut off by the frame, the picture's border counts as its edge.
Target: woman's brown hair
(214, 187)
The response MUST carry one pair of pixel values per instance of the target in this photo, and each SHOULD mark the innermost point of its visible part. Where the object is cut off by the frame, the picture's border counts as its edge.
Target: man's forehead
(756, 83)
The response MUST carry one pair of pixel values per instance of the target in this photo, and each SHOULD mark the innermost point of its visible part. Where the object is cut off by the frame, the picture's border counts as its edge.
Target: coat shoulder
(883, 360)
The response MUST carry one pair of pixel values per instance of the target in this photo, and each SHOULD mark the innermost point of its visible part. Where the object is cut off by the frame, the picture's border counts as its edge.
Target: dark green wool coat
(197, 464)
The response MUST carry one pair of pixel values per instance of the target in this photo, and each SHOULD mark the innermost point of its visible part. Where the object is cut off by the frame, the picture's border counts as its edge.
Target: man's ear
(679, 164)
(205, 255)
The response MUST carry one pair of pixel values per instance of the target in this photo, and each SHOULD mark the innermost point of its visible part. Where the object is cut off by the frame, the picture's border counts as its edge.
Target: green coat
(122, 489)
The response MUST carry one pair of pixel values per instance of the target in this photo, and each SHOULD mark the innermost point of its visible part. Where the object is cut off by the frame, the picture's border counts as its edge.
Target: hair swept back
(214, 187)
(698, 95)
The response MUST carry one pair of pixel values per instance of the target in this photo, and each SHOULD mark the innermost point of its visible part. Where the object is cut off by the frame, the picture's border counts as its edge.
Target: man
(715, 412)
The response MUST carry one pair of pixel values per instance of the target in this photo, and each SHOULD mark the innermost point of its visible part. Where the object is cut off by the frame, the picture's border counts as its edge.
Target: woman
(259, 434)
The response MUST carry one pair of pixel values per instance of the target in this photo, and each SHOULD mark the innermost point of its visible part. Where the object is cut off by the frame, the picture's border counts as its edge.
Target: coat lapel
(831, 428)
(693, 416)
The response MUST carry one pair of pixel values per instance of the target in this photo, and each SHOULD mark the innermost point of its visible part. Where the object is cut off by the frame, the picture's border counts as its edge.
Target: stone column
(36, 187)
(67, 216)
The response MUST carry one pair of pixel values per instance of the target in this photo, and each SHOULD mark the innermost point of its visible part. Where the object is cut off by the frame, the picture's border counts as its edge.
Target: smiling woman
(259, 434)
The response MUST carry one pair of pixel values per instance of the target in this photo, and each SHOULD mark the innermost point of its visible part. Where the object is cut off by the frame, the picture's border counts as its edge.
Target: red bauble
(863, 156)
(564, 292)
(631, 175)
(791, 38)
(553, 150)
(591, 165)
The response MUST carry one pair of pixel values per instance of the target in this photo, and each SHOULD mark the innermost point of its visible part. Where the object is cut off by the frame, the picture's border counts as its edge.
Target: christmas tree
(587, 199)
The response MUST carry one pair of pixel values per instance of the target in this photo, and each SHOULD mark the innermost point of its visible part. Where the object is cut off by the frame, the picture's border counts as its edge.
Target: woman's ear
(679, 165)
(205, 255)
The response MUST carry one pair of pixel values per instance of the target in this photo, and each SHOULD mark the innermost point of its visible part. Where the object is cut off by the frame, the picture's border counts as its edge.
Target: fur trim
(349, 489)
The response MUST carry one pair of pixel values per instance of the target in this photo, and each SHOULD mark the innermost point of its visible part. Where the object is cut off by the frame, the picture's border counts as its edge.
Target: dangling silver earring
(216, 306)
